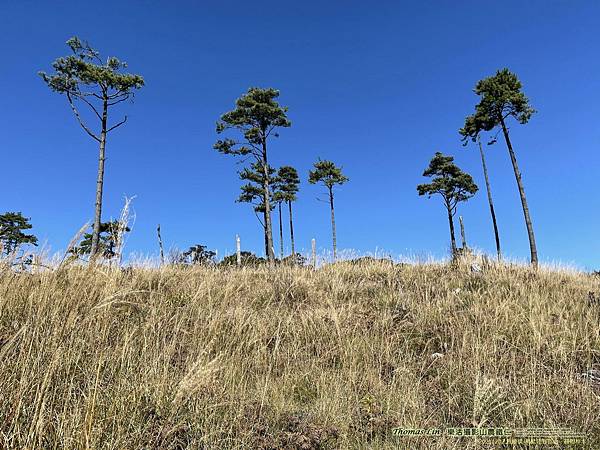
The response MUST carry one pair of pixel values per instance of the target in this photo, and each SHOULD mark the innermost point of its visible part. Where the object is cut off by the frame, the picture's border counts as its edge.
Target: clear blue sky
(377, 89)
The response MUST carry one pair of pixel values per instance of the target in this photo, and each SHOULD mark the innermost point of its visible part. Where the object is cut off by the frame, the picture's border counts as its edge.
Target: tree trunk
(452, 238)
(160, 246)
(532, 246)
(99, 183)
(489, 194)
(333, 224)
(292, 231)
(280, 232)
(462, 234)
(270, 253)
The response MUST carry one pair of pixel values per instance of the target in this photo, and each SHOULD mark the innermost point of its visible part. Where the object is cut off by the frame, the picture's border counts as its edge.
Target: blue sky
(376, 89)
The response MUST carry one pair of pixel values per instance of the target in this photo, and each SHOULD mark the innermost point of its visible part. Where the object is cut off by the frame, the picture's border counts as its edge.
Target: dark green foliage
(84, 76)
(110, 235)
(448, 180)
(286, 184)
(328, 173)
(501, 97)
(197, 254)
(285, 189)
(253, 192)
(12, 225)
(298, 260)
(248, 259)
(256, 116)
(100, 85)
(451, 183)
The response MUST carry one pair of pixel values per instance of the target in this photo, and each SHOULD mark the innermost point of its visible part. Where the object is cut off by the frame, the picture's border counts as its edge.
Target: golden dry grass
(93, 357)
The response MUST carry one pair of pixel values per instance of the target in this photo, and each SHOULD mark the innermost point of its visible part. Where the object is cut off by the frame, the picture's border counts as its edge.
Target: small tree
(501, 98)
(198, 254)
(286, 190)
(327, 173)
(451, 183)
(12, 225)
(84, 77)
(249, 259)
(253, 192)
(111, 233)
(257, 116)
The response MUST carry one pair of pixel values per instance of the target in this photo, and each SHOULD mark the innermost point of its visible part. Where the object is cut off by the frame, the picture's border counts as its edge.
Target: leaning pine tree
(257, 115)
(452, 184)
(329, 174)
(85, 78)
(501, 98)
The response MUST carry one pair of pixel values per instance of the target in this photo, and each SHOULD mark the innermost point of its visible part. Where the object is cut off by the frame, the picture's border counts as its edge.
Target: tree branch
(87, 130)
(122, 99)
(260, 221)
(117, 125)
(81, 97)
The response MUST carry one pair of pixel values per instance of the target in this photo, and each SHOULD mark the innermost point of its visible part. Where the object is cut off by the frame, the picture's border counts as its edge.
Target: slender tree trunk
(99, 182)
(489, 194)
(292, 231)
(532, 246)
(270, 253)
(452, 238)
(462, 234)
(333, 224)
(280, 232)
(160, 245)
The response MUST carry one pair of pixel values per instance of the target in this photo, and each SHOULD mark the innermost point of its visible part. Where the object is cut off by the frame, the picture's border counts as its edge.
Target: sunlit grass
(96, 357)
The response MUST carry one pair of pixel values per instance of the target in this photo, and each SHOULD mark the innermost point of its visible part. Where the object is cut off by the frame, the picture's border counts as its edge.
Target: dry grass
(93, 357)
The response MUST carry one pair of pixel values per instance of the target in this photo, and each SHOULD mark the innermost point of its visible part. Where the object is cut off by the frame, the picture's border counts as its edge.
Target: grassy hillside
(291, 357)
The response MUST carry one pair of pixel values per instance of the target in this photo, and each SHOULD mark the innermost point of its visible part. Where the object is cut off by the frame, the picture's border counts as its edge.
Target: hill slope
(292, 358)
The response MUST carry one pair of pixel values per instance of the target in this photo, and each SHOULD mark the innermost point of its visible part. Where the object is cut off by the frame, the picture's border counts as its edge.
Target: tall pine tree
(256, 116)
(501, 98)
(327, 173)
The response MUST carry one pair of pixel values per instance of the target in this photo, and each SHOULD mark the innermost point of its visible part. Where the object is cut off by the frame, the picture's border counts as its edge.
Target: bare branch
(122, 99)
(87, 130)
(117, 125)
(260, 221)
(81, 97)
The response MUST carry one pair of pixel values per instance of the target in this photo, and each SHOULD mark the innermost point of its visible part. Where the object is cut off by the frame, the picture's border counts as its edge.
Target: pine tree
(12, 225)
(452, 184)
(253, 191)
(257, 116)
(287, 187)
(111, 234)
(327, 173)
(502, 97)
(84, 77)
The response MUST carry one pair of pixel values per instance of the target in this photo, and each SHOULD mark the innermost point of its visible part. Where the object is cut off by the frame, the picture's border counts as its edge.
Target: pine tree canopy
(257, 114)
(12, 225)
(501, 97)
(85, 76)
(286, 184)
(253, 191)
(328, 173)
(448, 180)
